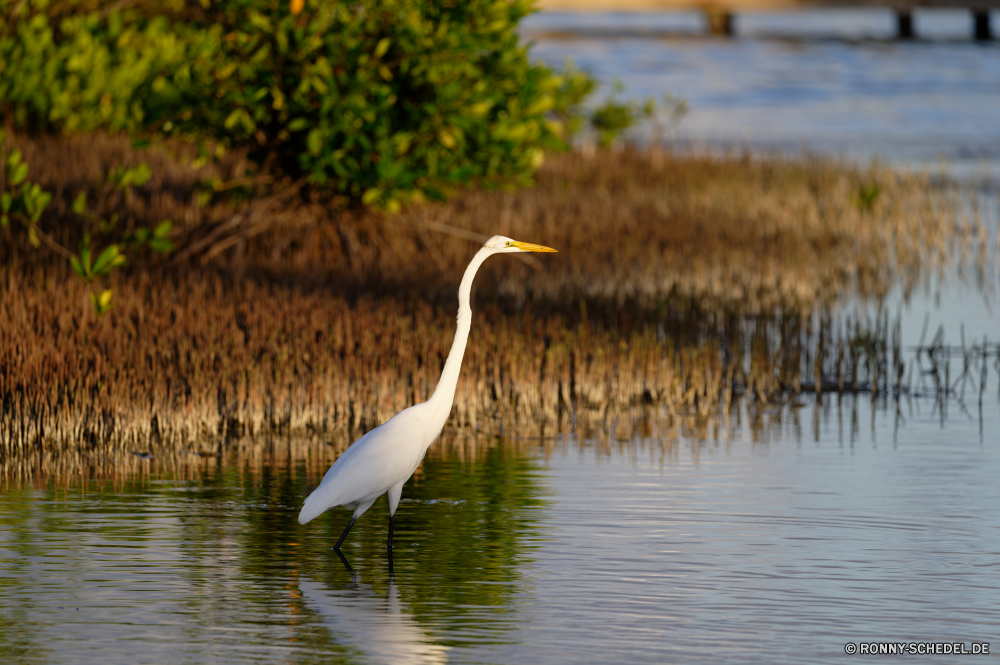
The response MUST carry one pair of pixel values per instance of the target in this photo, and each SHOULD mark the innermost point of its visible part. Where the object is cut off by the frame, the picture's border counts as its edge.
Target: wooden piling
(719, 22)
(981, 25)
(904, 24)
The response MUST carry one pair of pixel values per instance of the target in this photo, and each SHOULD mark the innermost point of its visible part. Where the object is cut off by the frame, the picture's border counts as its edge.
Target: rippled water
(827, 81)
(780, 537)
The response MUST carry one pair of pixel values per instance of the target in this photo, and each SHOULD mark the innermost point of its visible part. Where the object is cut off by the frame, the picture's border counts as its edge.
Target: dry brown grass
(188, 357)
(758, 232)
(681, 282)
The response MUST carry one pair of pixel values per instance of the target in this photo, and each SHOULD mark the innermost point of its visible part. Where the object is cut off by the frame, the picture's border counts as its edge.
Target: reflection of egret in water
(374, 624)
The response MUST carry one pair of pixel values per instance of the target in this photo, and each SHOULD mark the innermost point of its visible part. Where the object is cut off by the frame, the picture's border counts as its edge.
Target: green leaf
(315, 142)
(540, 105)
(382, 47)
(80, 203)
(103, 262)
(162, 229)
(40, 202)
(232, 119)
(102, 303)
(14, 158)
(141, 174)
(20, 172)
(75, 262)
(105, 226)
(161, 245)
(480, 108)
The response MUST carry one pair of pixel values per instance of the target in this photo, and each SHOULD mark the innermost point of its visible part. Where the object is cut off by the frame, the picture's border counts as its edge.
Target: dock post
(904, 24)
(981, 22)
(720, 22)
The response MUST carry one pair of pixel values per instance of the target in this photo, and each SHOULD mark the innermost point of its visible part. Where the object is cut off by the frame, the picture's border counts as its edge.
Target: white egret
(384, 458)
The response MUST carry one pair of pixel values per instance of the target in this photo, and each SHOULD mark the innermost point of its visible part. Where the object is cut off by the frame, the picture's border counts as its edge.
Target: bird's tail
(311, 509)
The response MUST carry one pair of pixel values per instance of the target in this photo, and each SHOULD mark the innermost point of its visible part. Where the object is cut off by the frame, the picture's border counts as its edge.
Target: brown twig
(240, 226)
(52, 244)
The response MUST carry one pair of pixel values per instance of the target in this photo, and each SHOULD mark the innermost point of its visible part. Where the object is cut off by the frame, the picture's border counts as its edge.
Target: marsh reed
(683, 283)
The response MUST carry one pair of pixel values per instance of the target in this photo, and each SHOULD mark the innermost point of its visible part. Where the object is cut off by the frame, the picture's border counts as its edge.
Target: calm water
(830, 81)
(777, 540)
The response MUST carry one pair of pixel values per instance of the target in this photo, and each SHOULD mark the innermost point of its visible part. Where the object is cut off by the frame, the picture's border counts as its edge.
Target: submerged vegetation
(683, 283)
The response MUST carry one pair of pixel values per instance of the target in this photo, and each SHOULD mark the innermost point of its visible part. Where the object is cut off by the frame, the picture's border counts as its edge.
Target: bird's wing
(371, 465)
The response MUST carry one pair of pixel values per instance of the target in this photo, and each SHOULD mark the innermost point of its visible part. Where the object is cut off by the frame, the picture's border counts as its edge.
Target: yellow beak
(528, 247)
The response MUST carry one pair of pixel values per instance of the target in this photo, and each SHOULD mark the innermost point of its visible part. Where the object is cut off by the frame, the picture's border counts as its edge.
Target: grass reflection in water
(215, 564)
(820, 518)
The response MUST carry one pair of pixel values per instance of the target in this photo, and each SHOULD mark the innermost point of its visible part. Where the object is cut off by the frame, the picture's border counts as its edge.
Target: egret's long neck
(444, 394)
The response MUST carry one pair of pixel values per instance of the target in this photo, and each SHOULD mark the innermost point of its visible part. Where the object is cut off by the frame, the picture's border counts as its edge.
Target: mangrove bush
(378, 101)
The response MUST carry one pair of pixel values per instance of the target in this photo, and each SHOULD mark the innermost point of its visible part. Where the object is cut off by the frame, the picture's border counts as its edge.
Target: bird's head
(505, 245)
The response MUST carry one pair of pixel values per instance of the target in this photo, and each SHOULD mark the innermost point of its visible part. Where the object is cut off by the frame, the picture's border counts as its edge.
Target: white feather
(383, 459)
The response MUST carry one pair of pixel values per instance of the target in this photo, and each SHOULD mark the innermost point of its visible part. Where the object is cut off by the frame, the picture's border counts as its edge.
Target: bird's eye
(509, 243)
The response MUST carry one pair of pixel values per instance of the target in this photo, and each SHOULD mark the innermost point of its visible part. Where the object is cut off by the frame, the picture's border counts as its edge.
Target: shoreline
(682, 282)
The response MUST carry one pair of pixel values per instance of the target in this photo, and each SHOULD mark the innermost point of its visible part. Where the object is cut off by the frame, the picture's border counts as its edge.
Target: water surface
(826, 81)
(778, 536)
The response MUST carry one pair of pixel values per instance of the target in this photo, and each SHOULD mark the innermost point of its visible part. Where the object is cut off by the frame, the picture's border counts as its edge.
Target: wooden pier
(719, 13)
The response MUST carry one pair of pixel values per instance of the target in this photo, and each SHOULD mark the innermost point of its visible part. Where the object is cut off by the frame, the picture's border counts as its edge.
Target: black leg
(344, 561)
(392, 521)
(344, 535)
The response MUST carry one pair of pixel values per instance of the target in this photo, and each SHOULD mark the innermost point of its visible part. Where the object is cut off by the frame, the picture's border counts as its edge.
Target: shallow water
(826, 81)
(780, 537)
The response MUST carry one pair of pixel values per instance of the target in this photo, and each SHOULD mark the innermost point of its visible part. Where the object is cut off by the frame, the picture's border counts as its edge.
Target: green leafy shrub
(87, 71)
(379, 100)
